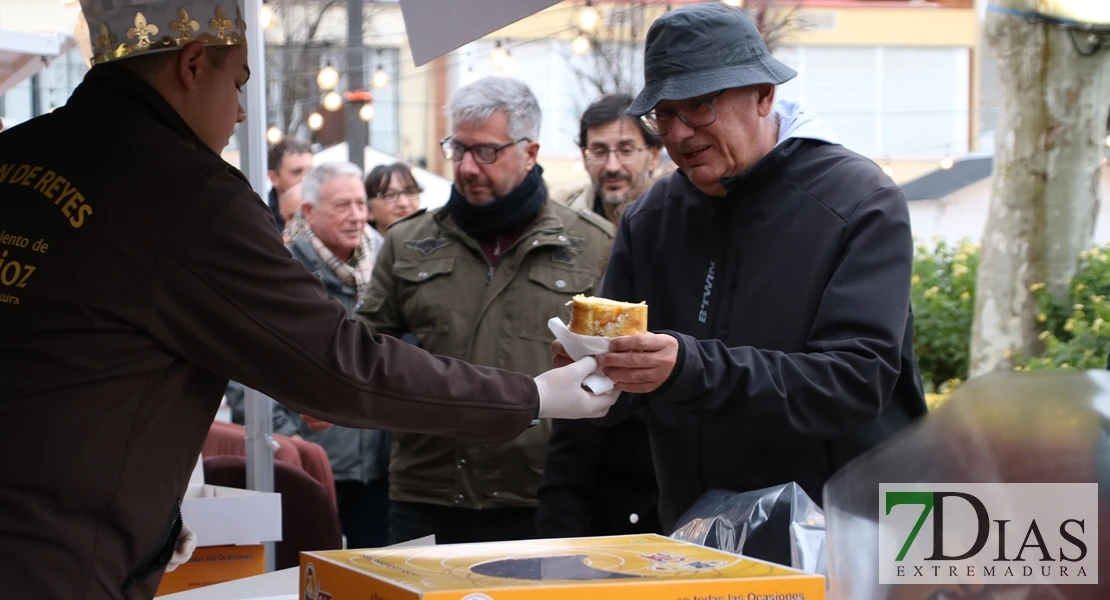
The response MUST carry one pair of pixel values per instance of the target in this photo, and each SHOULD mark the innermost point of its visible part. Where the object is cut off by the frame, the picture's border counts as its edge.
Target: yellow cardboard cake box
(644, 567)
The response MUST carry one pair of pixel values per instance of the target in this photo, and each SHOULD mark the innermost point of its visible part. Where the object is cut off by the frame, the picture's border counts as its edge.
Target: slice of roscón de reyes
(601, 317)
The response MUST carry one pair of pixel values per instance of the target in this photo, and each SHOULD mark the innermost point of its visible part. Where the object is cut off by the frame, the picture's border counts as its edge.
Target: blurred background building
(906, 82)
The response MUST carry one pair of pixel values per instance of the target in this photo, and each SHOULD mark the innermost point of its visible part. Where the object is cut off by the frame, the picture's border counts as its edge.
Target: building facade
(898, 80)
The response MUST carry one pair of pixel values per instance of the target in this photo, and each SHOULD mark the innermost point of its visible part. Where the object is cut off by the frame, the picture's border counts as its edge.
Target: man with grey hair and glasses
(777, 266)
(478, 279)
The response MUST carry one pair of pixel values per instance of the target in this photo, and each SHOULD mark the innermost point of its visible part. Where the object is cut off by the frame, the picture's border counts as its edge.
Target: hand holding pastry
(641, 363)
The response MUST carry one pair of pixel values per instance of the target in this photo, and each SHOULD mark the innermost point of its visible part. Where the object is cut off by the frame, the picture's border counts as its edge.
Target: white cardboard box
(223, 516)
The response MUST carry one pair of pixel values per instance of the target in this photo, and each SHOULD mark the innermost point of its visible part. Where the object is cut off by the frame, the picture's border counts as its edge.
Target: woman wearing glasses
(393, 194)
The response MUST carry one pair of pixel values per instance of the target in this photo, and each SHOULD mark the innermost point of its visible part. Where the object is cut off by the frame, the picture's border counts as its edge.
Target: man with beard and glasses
(479, 279)
(600, 480)
(621, 156)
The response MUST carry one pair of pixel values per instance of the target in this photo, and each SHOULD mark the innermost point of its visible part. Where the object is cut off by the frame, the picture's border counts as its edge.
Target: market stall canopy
(436, 27)
(22, 54)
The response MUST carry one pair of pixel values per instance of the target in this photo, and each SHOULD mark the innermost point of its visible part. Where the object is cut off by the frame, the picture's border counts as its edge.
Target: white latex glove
(183, 550)
(563, 397)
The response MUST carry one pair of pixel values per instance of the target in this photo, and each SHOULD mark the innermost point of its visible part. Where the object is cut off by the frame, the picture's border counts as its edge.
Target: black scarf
(508, 213)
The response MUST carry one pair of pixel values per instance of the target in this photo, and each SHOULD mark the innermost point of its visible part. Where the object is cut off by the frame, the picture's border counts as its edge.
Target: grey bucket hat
(699, 49)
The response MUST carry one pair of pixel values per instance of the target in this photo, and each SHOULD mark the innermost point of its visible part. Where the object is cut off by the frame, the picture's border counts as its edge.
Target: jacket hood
(795, 121)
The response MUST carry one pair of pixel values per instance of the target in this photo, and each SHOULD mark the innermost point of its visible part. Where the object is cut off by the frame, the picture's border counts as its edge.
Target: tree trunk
(1044, 194)
(1078, 100)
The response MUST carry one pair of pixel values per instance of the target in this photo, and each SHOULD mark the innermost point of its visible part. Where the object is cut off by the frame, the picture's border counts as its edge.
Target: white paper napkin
(581, 346)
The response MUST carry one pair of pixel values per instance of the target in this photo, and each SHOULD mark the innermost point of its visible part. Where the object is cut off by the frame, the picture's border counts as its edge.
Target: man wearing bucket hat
(139, 274)
(776, 264)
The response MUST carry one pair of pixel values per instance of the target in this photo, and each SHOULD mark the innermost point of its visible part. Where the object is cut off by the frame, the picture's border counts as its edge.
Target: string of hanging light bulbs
(328, 82)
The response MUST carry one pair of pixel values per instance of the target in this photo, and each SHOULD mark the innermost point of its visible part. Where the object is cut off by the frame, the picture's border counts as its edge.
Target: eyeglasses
(483, 153)
(698, 114)
(600, 154)
(392, 196)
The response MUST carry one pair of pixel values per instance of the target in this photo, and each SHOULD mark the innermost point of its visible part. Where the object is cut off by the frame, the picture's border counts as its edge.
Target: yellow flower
(961, 257)
(1077, 306)
(931, 291)
(1069, 325)
(1080, 287)
(1041, 318)
(1043, 336)
(1097, 299)
(1084, 253)
(1065, 366)
(1096, 325)
(958, 270)
(1036, 286)
(915, 279)
(965, 296)
(1008, 354)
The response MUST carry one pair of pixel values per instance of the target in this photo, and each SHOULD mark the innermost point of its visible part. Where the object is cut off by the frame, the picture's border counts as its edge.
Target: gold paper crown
(107, 31)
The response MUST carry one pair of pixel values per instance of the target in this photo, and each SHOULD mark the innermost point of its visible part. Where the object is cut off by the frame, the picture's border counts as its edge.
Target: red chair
(309, 520)
(229, 439)
(315, 462)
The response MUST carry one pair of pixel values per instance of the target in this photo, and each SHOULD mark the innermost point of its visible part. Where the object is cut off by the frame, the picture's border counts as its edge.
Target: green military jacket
(433, 281)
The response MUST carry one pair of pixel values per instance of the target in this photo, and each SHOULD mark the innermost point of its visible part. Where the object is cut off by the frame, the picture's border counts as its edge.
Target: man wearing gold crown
(139, 272)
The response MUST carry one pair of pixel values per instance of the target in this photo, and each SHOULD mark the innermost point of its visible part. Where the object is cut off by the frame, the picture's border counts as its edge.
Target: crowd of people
(803, 371)
(477, 282)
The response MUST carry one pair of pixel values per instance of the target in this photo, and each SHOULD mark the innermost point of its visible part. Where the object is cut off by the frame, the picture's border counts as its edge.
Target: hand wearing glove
(183, 550)
(563, 397)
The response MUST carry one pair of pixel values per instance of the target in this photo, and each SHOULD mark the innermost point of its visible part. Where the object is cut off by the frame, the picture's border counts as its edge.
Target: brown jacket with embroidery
(433, 281)
(140, 272)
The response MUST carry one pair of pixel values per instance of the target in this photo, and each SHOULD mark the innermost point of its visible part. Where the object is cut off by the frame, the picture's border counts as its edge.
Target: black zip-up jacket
(790, 299)
(597, 481)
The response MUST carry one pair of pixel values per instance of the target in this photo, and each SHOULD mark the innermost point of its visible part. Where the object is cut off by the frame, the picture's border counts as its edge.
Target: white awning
(22, 54)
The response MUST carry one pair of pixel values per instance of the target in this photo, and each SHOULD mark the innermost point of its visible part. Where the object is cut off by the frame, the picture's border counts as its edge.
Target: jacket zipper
(489, 270)
(496, 252)
(156, 561)
(489, 276)
(725, 277)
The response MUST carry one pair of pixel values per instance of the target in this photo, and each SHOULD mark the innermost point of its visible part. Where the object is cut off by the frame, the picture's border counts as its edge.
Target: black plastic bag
(780, 524)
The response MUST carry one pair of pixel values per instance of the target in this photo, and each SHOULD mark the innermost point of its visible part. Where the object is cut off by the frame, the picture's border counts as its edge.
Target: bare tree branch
(776, 20)
(294, 64)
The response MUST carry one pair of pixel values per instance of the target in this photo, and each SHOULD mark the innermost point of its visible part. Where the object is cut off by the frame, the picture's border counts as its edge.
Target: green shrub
(1076, 333)
(943, 300)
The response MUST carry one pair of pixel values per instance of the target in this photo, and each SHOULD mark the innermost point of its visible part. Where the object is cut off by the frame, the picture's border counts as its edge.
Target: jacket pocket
(425, 294)
(423, 271)
(159, 557)
(549, 291)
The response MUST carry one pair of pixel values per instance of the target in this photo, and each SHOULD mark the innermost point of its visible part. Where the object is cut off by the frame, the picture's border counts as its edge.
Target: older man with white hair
(335, 247)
